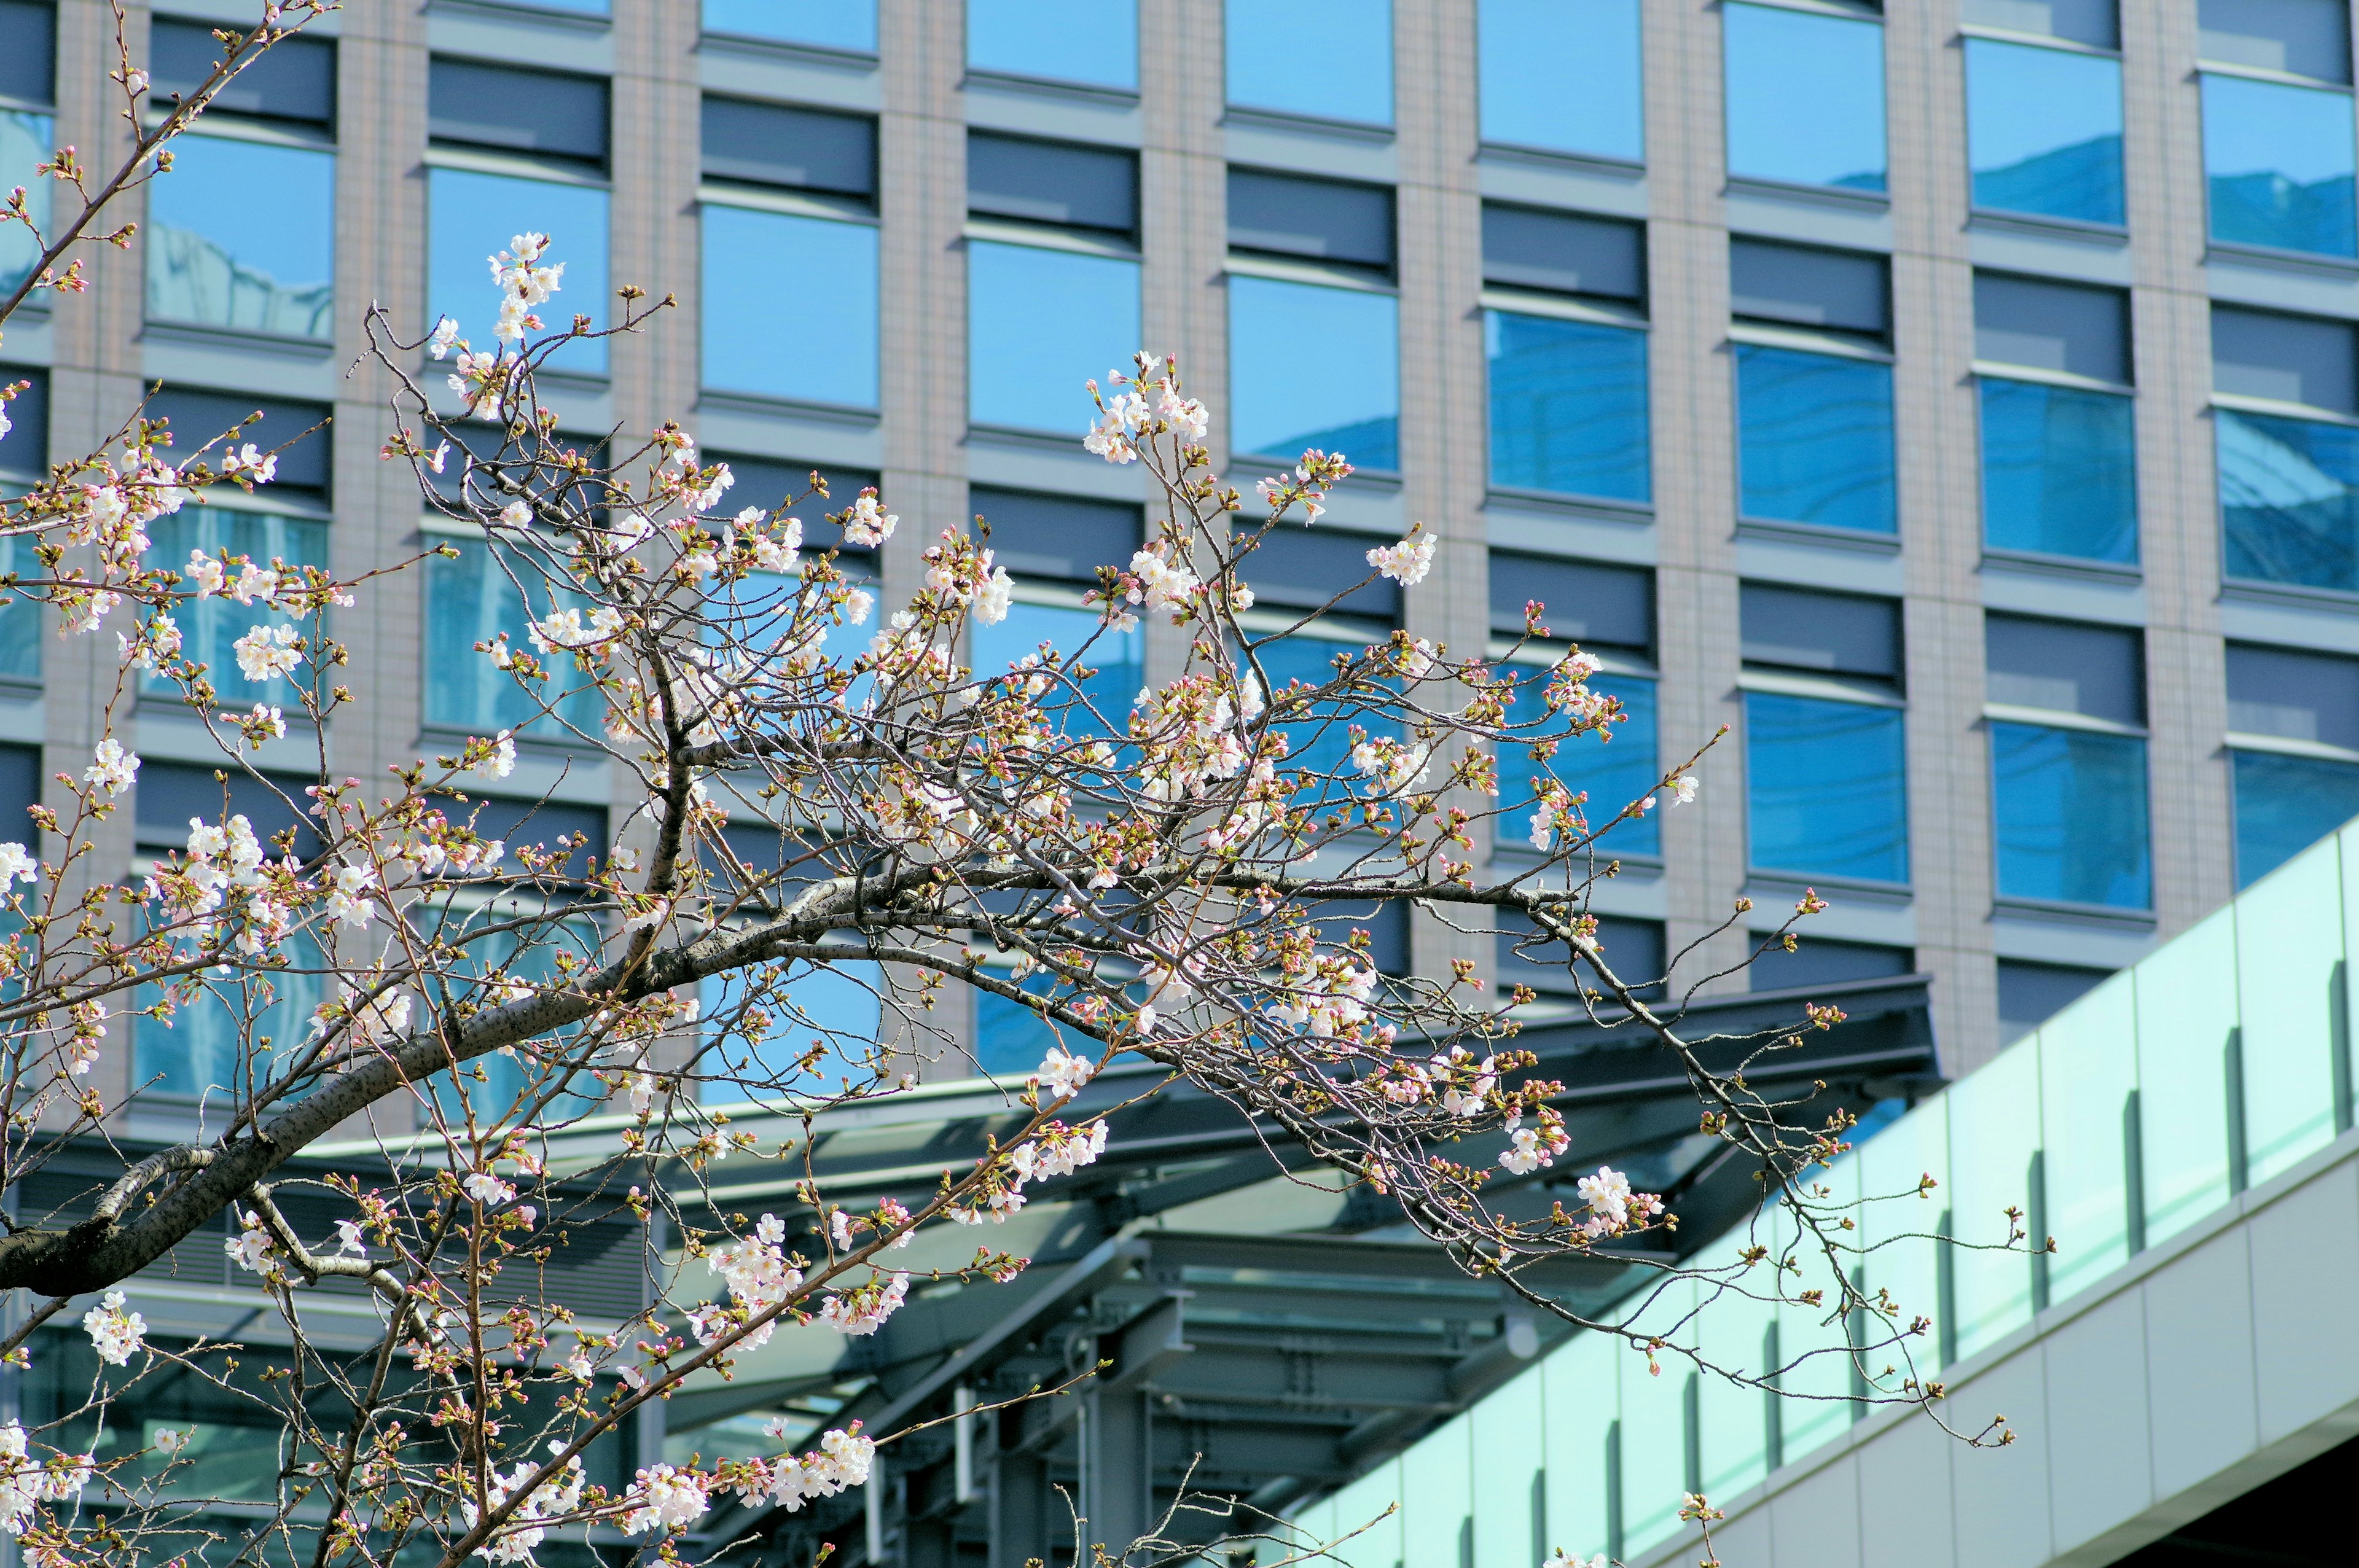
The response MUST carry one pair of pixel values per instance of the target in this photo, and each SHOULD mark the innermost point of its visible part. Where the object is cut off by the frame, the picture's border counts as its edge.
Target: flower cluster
(114, 1333)
(843, 1460)
(514, 1541)
(1613, 1206)
(1153, 406)
(1529, 1148)
(24, 1483)
(759, 1277)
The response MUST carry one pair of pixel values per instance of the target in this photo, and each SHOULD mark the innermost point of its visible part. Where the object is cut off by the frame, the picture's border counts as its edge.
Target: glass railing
(2220, 1061)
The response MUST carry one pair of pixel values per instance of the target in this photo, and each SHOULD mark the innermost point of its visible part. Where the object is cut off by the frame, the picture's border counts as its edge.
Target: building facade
(1957, 403)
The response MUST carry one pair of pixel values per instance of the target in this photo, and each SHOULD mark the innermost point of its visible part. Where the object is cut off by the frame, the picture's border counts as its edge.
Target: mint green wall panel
(1581, 1400)
(2186, 1012)
(2288, 958)
(2088, 1070)
(1509, 1453)
(1436, 1496)
(1900, 1253)
(1993, 1133)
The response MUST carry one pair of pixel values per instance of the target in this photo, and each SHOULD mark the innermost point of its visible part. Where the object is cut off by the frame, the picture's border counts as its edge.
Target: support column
(1118, 1468)
(1018, 1508)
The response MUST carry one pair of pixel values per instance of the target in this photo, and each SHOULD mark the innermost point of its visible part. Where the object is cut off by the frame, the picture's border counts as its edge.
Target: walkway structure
(2184, 1132)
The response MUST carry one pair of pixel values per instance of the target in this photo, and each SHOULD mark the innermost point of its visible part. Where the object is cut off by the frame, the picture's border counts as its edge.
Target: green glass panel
(2348, 842)
(1507, 1462)
(1995, 1128)
(1817, 1378)
(1733, 1331)
(1368, 1506)
(1579, 1406)
(1897, 1231)
(2088, 1067)
(1436, 1494)
(2185, 1018)
(1655, 1422)
(2289, 965)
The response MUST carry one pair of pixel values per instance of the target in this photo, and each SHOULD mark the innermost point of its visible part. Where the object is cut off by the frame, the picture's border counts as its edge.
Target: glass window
(1814, 439)
(2288, 509)
(2044, 131)
(1567, 406)
(801, 149)
(472, 217)
(2286, 359)
(2029, 994)
(2046, 325)
(1616, 772)
(838, 1005)
(1039, 324)
(1634, 950)
(2059, 470)
(1827, 787)
(294, 80)
(296, 432)
(1324, 220)
(24, 457)
(2278, 162)
(1845, 292)
(1837, 633)
(217, 258)
(25, 145)
(494, 1086)
(2302, 37)
(28, 48)
(2284, 804)
(2098, 672)
(1311, 366)
(1824, 961)
(2298, 695)
(815, 341)
(1562, 75)
(1063, 183)
(1064, 40)
(1595, 605)
(199, 1049)
(545, 113)
(1564, 252)
(1118, 659)
(2070, 814)
(829, 24)
(1055, 538)
(1269, 40)
(1308, 568)
(1318, 744)
(2091, 22)
(208, 626)
(472, 599)
(1805, 97)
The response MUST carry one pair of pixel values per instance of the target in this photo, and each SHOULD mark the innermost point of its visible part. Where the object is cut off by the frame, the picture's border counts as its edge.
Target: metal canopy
(1265, 1331)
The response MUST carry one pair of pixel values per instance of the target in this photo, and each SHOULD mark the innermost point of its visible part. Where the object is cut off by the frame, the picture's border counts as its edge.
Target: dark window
(517, 111)
(1534, 249)
(808, 149)
(1820, 961)
(770, 485)
(1057, 537)
(1325, 219)
(1596, 606)
(2306, 38)
(1387, 924)
(295, 78)
(1839, 633)
(1052, 182)
(518, 822)
(1634, 950)
(2293, 359)
(2301, 696)
(2030, 994)
(25, 448)
(201, 417)
(29, 48)
(1300, 568)
(2089, 22)
(2096, 671)
(170, 795)
(2052, 326)
(1838, 291)
(20, 791)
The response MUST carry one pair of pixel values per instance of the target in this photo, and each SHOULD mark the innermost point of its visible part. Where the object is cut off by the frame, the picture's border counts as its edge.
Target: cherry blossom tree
(1156, 877)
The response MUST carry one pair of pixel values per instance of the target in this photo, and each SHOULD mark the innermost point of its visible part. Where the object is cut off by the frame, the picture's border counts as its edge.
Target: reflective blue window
(1616, 772)
(496, 1084)
(2289, 499)
(1805, 99)
(2284, 804)
(1827, 787)
(1311, 366)
(201, 1048)
(218, 258)
(472, 217)
(1118, 657)
(2279, 160)
(208, 626)
(2044, 131)
(789, 306)
(1010, 1038)
(830, 23)
(1567, 406)
(1040, 323)
(20, 620)
(1331, 59)
(1563, 75)
(472, 600)
(2071, 815)
(836, 1005)
(1064, 41)
(2059, 470)
(1814, 439)
(25, 145)
(1320, 741)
